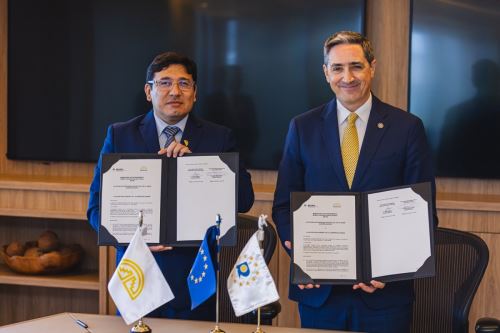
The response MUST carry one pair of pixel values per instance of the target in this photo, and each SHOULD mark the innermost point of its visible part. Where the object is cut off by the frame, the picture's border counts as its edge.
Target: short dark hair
(163, 60)
(348, 37)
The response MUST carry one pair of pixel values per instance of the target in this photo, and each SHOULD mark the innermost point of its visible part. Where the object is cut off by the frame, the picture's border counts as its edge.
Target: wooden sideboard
(28, 206)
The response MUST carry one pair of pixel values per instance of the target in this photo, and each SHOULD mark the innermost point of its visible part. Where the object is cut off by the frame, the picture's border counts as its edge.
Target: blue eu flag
(201, 279)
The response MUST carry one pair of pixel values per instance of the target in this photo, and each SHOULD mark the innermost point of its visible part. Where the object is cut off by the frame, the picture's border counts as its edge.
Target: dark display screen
(455, 83)
(74, 67)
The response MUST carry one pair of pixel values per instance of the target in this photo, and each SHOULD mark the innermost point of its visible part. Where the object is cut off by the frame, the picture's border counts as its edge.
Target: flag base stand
(141, 327)
(217, 330)
(258, 329)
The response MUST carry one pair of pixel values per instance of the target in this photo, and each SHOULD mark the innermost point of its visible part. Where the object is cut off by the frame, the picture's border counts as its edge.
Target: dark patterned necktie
(170, 131)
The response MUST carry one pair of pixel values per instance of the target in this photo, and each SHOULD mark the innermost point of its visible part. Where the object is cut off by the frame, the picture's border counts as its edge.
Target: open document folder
(345, 238)
(179, 197)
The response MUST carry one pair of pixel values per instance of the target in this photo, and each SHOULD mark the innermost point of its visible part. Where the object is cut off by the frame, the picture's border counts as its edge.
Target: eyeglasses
(167, 84)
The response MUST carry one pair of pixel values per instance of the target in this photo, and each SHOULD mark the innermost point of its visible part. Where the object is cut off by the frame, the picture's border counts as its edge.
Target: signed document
(205, 188)
(132, 186)
(399, 237)
(179, 197)
(344, 238)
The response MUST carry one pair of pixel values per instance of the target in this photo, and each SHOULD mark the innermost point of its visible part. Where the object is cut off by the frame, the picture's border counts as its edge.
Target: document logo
(132, 277)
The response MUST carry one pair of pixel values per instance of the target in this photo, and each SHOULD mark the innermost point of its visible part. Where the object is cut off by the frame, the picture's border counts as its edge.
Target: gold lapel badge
(380, 125)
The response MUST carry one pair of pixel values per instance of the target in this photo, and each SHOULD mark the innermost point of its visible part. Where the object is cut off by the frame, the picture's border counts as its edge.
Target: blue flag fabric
(201, 279)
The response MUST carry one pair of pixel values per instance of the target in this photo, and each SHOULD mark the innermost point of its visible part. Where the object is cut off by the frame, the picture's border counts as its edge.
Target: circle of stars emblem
(252, 265)
(199, 278)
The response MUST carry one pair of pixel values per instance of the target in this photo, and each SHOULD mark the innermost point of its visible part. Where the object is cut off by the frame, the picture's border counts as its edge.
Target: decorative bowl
(48, 263)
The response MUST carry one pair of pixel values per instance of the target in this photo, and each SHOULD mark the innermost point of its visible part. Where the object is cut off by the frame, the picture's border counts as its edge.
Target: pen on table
(80, 323)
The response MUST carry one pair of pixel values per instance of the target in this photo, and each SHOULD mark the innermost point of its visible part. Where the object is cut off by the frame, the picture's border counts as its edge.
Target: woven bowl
(48, 263)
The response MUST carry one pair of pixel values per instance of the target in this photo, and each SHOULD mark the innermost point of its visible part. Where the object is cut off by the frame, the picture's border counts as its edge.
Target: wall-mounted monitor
(74, 67)
(455, 83)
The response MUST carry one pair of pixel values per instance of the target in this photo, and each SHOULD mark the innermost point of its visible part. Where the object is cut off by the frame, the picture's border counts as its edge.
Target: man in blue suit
(171, 129)
(391, 150)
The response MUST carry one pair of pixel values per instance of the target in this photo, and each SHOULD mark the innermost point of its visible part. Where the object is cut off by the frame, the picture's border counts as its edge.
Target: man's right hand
(160, 248)
(288, 245)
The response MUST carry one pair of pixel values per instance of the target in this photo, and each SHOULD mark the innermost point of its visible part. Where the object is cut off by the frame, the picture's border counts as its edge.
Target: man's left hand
(374, 285)
(175, 149)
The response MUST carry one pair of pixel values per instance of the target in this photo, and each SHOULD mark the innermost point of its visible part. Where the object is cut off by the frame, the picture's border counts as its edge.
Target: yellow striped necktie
(350, 148)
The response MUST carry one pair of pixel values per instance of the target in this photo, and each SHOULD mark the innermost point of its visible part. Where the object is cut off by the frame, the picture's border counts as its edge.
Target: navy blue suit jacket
(139, 135)
(394, 152)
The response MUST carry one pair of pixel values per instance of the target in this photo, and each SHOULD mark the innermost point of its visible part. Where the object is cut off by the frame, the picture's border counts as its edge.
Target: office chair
(246, 226)
(442, 302)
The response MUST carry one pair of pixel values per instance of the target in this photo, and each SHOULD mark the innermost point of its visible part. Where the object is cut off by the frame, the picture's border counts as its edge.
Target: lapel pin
(380, 125)
(186, 143)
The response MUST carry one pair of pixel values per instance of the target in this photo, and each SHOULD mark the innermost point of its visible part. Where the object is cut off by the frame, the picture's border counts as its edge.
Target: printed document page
(129, 186)
(399, 232)
(324, 237)
(211, 184)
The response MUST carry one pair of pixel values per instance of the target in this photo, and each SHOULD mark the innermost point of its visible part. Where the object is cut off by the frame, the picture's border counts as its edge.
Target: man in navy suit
(393, 151)
(171, 129)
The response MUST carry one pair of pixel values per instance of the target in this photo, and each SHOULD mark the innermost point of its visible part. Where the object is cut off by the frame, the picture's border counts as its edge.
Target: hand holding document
(348, 238)
(159, 248)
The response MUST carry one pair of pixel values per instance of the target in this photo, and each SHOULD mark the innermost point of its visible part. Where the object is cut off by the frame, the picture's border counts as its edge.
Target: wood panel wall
(388, 28)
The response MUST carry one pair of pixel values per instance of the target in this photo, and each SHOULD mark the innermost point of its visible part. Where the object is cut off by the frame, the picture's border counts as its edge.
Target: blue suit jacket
(139, 135)
(394, 155)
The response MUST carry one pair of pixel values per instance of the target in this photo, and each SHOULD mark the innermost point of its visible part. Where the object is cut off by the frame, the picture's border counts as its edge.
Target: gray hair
(348, 37)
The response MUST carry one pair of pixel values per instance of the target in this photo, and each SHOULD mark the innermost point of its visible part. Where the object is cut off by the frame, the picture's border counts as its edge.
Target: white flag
(250, 284)
(138, 285)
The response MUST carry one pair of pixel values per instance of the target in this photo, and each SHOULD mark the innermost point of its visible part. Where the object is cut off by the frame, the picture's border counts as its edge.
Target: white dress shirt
(160, 126)
(363, 113)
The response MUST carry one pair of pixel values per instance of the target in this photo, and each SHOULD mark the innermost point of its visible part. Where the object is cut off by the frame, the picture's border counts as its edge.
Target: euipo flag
(201, 279)
(138, 285)
(250, 284)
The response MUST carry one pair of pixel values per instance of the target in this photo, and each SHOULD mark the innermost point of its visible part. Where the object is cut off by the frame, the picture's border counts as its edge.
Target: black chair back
(246, 226)
(442, 303)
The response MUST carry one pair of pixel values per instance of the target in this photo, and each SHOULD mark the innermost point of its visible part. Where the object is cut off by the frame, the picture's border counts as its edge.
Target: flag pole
(217, 329)
(260, 237)
(258, 329)
(141, 326)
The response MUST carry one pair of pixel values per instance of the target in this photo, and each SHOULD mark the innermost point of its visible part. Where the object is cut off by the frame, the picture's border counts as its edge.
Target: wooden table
(64, 323)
